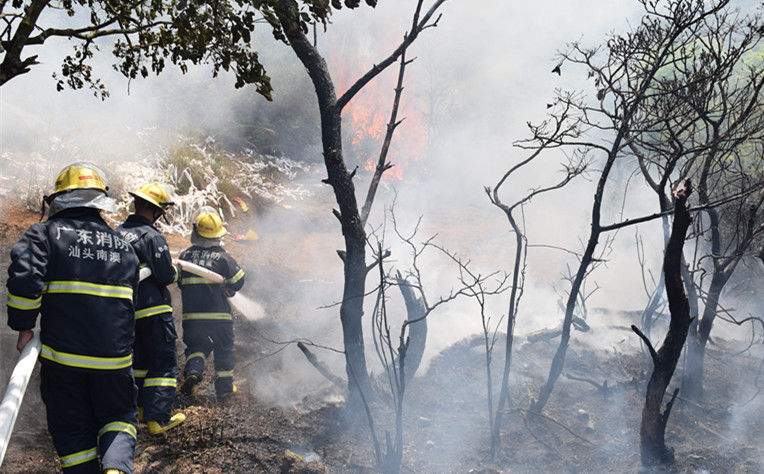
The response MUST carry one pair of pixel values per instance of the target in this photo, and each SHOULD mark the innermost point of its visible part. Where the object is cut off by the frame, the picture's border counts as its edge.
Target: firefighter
(207, 320)
(80, 276)
(155, 365)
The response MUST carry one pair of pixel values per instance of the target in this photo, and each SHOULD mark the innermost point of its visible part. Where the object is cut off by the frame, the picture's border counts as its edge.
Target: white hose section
(144, 273)
(14, 392)
(197, 270)
(17, 385)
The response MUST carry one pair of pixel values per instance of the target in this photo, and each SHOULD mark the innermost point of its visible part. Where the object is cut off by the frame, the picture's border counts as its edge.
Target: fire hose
(22, 372)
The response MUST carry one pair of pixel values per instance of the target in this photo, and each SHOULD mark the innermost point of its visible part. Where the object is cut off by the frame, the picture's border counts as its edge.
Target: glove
(24, 338)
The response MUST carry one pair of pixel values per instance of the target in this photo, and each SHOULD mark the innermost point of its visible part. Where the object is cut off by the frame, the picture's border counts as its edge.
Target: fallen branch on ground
(321, 367)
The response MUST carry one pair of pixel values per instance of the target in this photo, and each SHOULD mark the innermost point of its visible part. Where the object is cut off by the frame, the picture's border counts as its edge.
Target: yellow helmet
(208, 224)
(80, 175)
(154, 193)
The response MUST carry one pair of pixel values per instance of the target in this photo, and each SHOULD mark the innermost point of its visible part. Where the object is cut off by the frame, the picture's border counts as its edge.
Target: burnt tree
(652, 432)
(627, 73)
(707, 129)
(287, 19)
(559, 127)
(395, 353)
(415, 315)
(729, 244)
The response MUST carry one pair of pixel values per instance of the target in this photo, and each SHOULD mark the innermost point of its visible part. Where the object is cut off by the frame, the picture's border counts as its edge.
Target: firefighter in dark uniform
(155, 365)
(80, 276)
(207, 320)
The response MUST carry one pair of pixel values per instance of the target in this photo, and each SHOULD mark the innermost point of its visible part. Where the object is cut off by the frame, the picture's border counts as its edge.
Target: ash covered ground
(288, 418)
(487, 76)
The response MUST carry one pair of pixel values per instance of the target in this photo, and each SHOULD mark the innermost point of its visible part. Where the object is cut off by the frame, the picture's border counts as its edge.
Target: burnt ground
(582, 429)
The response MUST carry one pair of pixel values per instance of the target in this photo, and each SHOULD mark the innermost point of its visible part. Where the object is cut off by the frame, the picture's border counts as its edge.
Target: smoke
(477, 79)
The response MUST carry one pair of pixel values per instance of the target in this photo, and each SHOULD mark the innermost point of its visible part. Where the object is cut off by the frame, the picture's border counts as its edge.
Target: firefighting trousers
(155, 366)
(91, 417)
(205, 337)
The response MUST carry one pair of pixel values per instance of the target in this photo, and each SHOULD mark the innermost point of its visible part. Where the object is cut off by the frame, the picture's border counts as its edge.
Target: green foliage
(149, 34)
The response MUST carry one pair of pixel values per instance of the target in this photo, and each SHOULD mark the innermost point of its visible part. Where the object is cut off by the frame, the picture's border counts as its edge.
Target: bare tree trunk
(692, 383)
(351, 310)
(498, 419)
(496, 416)
(321, 367)
(559, 357)
(700, 331)
(653, 427)
(488, 348)
(597, 229)
(692, 292)
(341, 181)
(339, 178)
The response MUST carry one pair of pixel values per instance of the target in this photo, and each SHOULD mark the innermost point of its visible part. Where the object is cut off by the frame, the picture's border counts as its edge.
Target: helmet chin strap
(45, 199)
(157, 213)
(161, 213)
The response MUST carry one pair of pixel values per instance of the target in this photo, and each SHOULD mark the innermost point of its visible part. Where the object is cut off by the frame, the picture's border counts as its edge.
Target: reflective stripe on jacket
(80, 276)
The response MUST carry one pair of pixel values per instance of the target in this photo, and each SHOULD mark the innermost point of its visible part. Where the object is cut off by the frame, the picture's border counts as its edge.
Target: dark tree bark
(661, 42)
(648, 315)
(341, 181)
(12, 64)
(653, 427)
(511, 317)
(563, 127)
(622, 128)
(382, 163)
(340, 178)
(724, 263)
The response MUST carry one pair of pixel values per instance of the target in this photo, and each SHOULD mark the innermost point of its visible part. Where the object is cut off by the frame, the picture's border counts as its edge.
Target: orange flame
(366, 116)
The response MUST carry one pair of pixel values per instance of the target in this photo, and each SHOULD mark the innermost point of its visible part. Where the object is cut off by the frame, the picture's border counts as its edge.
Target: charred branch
(288, 21)
(415, 311)
(646, 340)
(633, 101)
(549, 334)
(562, 125)
(382, 163)
(604, 389)
(418, 25)
(321, 367)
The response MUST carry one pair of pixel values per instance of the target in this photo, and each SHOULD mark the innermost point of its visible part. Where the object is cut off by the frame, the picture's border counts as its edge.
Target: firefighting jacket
(80, 276)
(203, 300)
(151, 247)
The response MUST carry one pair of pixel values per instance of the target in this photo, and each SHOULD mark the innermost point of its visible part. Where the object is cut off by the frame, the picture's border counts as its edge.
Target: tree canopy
(146, 35)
